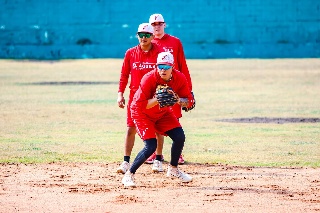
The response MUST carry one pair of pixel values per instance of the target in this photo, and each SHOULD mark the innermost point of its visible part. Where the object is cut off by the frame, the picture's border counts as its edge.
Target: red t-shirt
(156, 119)
(147, 90)
(172, 44)
(137, 63)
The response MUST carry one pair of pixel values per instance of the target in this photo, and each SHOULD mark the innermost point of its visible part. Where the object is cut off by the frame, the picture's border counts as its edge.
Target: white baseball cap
(165, 58)
(156, 18)
(145, 28)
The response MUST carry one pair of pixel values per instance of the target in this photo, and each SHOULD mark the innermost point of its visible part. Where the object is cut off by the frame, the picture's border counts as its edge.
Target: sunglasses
(157, 23)
(164, 67)
(147, 35)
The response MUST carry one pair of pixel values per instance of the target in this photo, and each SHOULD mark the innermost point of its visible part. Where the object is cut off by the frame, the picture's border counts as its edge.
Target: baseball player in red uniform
(169, 43)
(138, 61)
(149, 118)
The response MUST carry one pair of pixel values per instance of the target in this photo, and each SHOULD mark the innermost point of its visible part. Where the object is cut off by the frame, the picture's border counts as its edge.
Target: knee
(151, 145)
(181, 137)
(131, 131)
(177, 135)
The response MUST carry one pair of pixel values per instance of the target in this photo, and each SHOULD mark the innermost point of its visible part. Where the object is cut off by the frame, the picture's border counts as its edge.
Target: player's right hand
(121, 102)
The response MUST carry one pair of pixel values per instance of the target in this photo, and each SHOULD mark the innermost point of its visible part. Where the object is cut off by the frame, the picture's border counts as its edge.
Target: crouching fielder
(150, 117)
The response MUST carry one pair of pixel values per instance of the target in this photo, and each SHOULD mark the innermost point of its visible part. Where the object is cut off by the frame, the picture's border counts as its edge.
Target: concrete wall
(58, 29)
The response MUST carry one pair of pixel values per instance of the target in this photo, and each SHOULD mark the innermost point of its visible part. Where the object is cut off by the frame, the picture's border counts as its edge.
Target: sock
(126, 158)
(159, 157)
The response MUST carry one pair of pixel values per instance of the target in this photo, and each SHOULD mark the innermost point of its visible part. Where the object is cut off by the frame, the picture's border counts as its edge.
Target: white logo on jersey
(168, 49)
(143, 65)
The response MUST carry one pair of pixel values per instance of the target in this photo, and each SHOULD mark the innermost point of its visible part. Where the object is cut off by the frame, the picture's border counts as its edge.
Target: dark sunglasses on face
(163, 67)
(147, 35)
(157, 23)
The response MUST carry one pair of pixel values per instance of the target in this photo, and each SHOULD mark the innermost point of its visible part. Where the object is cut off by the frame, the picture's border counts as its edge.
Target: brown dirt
(95, 187)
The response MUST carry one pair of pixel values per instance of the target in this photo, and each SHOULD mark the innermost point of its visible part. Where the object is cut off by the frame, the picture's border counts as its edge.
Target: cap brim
(165, 63)
(144, 32)
(157, 21)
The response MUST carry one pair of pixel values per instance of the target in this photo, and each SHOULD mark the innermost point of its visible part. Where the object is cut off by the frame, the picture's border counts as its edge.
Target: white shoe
(176, 173)
(123, 168)
(128, 180)
(157, 166)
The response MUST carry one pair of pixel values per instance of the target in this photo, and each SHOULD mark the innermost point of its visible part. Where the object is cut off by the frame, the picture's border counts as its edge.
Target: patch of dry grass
(81, 122)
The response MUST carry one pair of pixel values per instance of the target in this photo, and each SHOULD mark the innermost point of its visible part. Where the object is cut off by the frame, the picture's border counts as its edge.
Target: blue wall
(56, 29)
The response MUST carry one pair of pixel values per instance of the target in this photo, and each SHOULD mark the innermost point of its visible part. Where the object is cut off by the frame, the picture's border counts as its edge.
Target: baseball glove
(166, 96)
(192, 106)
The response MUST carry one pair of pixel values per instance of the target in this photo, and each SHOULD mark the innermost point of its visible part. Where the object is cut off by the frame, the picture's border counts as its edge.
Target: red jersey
(156, 119)
(147, 89)
(137, 63)
(172, 44)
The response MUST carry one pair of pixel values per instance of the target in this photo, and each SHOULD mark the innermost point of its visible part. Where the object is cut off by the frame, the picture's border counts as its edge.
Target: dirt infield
(95, 187)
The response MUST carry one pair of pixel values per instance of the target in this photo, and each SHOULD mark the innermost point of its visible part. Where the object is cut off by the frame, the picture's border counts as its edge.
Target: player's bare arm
(151, 103)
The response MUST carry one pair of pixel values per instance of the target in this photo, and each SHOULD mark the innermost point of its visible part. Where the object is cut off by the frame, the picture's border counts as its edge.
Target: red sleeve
(191, 100)
(182, 64)
(179, 87)
(146, 90)
(125, 72)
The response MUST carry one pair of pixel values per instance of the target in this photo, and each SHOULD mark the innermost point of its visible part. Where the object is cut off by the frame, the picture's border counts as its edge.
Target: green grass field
(42, 122)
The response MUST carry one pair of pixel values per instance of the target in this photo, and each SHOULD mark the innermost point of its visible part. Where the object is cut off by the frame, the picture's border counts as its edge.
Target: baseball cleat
(181, 160)
(123, 168)
(176, 173)
(152, 158)
(128, 180)
(157, 166)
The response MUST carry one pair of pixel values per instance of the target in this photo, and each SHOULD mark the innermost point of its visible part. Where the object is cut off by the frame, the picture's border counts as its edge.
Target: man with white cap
(150, 119)
(172, 44)
(138, 60)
